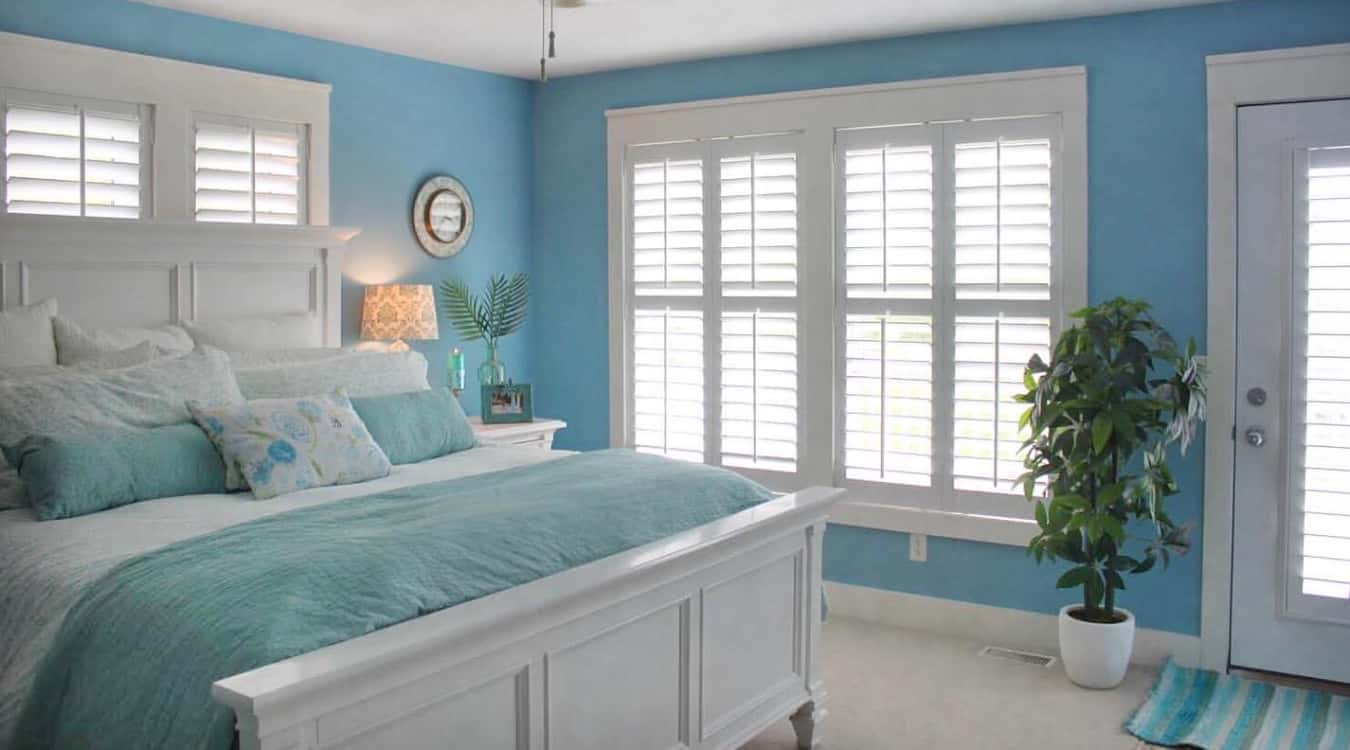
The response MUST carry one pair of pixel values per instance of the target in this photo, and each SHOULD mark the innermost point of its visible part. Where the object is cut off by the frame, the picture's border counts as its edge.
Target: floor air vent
(1021, 657)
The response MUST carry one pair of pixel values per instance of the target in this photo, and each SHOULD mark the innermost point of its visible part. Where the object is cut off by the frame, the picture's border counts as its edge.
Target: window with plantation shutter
(246, 172)
(844, 287)
(711, 257)
(946, 268)
(66, 157)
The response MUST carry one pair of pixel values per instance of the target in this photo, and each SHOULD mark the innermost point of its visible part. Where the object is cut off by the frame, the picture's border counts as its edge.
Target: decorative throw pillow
(286, 331)
(285, 445)
(417, 426)
(358, 373)
(75, 345)
(88, 472)
(26, 335)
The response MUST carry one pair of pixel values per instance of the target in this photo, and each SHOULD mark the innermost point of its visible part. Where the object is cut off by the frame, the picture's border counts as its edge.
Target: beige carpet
(892, 689)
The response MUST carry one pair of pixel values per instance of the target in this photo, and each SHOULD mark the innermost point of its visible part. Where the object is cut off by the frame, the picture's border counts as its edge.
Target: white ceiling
(502, 36)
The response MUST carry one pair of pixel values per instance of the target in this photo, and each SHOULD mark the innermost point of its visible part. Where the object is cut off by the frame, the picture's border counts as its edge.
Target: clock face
(442, 216)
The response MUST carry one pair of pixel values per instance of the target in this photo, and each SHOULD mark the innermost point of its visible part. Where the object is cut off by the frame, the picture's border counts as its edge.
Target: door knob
(1256, 437)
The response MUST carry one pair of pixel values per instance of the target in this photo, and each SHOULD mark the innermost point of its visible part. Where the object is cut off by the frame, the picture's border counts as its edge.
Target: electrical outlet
(918, 547)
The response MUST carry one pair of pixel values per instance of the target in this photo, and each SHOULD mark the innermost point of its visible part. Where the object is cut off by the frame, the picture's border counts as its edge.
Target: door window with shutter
(712, 264)
(249, 172)
(946, 245)
(68, 157)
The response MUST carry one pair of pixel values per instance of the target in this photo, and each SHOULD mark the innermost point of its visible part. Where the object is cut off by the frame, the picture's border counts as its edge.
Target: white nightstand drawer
(536, 434)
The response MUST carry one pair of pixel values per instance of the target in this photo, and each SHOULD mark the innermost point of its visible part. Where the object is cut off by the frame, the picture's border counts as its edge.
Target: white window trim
(1234, 80)
(817, 115)
(174, 90)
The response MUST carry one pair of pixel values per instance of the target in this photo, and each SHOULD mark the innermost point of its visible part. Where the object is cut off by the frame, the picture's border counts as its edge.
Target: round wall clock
(442, 216)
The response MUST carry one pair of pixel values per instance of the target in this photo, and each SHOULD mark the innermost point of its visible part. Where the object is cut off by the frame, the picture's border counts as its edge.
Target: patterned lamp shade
(399, 311)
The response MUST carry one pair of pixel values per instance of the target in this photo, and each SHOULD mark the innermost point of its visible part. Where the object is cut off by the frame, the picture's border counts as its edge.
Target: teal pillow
(416, 426)
(92, 471)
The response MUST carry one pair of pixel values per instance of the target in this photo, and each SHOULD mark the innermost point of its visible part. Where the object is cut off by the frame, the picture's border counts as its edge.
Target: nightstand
(538, 433)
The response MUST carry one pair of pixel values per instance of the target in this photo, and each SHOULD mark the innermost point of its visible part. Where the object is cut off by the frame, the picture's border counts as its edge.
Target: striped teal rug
(1191, 707)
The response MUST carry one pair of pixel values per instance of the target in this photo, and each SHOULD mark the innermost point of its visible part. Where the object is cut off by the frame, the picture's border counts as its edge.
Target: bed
(699, 638)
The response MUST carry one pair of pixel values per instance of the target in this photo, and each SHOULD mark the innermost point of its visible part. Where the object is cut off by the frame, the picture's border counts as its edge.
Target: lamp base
(399, 345)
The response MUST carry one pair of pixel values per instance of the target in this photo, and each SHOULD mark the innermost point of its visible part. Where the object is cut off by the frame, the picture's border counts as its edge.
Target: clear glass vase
(492, 371)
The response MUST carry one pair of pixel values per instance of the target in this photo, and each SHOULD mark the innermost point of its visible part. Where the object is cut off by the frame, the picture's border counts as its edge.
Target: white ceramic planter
(1095, 655)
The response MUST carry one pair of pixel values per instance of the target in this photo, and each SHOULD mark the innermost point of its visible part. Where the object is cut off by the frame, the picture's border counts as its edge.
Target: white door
(1291, 534)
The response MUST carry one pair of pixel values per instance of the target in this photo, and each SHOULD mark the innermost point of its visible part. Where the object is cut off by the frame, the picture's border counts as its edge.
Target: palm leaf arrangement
(499, 312)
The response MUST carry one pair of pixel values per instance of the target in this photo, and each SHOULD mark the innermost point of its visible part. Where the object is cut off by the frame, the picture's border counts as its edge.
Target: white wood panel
(104, 293)
(750, 635)
(621, 688)
(110, 272)
(485, 717)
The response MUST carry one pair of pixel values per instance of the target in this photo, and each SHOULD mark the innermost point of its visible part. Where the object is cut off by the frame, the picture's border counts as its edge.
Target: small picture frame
(507, 404)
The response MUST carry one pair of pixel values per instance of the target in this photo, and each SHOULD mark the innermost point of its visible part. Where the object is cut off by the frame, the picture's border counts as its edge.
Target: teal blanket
(133, 663)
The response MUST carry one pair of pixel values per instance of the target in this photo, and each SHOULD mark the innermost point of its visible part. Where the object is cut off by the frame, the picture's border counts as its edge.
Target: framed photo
(504, 404)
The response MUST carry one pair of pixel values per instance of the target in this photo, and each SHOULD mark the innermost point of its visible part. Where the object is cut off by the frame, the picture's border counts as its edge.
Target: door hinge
(1233, 435)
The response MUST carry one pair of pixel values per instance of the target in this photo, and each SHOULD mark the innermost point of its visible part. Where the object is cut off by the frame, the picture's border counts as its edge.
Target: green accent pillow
(416, 426)
(79, 474)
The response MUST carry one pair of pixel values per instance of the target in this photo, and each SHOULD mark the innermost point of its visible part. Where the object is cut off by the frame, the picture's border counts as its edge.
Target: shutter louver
(1003, 215)
(759, 225)
(246, 175)
(668, 383)
(759, 390)
(667, 225)
(990, 356)
(70, 162)
(1325, 478)
(888, 399)
(888, 222)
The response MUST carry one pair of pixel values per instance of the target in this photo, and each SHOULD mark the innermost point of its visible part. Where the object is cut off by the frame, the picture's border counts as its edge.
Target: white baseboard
(996, 626)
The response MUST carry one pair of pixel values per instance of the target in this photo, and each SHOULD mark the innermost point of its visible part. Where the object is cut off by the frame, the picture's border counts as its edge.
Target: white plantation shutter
(667, 227)
(1004, 307)
(888, 219)
(759, 390)
(990, 356)
(249, 173)
(947, 239)
(887, 278)
(1002, 239)
(668, 413)
(73, 158)
(1323, 379)
(888, 399)
(759, 225)
(711, 260)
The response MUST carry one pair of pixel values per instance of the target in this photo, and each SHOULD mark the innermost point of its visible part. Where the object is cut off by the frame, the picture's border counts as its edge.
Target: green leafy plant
(499, 312)
(1117, 392)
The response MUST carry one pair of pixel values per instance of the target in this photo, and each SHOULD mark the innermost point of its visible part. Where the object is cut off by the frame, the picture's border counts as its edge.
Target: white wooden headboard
(110, 272)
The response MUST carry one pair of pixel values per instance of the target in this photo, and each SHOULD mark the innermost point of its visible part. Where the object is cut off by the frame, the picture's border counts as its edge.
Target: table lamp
(397, 312)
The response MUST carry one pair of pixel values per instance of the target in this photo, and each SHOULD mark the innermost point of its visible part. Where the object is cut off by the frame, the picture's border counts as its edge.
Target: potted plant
(499, 312)
(1116, 394)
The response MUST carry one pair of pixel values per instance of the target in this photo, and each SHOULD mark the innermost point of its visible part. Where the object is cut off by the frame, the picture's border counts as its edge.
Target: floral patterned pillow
(287, 444)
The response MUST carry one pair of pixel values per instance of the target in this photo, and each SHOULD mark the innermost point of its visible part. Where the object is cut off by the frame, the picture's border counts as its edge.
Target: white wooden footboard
(700, 640)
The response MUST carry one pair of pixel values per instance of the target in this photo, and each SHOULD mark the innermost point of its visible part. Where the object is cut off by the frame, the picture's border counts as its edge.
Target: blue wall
(394, 122)
(1147, 175)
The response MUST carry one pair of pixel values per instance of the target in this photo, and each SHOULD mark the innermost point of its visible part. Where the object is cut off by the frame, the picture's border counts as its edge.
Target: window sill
(992, 529)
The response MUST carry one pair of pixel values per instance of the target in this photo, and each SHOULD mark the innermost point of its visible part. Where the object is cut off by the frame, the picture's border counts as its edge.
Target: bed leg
(804, 722)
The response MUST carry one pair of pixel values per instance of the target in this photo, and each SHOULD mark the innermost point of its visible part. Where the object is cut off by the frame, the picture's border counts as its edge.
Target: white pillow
(26, 335)
(75, 345)
(359, 373)
(268, 333)
(282, 356)
(149, 395)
